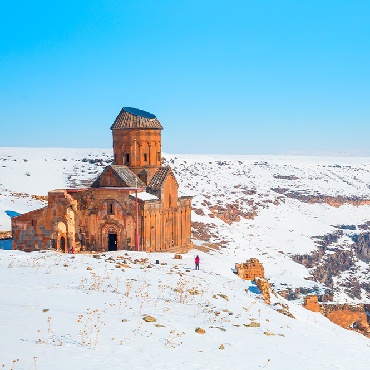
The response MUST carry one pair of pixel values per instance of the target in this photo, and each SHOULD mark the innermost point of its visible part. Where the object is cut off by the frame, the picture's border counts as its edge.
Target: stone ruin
(253, 270)
(311, 302)
(264, 286)
(348, 316)
(250, 270)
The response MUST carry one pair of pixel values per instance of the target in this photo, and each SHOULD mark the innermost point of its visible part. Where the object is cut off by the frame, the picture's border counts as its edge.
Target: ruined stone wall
(29, 233)
(250, 269)
(49, 227)
(311, 302)
(264, 287)
(346, 315)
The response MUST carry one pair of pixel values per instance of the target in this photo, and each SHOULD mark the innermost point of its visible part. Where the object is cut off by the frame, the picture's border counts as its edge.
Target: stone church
(133, 205)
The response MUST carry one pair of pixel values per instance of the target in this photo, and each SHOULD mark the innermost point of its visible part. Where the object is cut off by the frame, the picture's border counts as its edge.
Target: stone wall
(28, 233)
(264, 287)
(168, 228)
(311, 302)
(348, 316)
(250, 269)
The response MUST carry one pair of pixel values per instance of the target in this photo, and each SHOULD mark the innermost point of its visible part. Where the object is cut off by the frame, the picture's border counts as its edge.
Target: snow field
(93, 318)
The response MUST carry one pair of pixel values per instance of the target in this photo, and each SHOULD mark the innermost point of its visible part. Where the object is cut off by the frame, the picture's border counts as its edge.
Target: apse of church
(133, 205)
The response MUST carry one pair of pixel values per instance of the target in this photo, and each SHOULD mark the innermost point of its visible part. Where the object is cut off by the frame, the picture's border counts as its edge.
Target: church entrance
(62, 244)
(112, 242)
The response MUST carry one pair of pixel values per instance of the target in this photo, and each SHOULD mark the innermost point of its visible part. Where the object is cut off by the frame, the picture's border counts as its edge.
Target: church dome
(133, 118)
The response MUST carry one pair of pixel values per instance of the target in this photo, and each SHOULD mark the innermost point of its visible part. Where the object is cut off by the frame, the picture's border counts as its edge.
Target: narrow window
(127, 158)
(145, 157)
(110, 209)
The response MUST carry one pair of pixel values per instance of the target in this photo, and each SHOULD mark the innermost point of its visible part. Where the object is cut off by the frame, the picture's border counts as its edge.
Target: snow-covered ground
(55, 313)
(78, 312)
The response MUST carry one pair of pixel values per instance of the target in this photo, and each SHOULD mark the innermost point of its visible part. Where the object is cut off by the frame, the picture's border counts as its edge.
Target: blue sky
(233, 77)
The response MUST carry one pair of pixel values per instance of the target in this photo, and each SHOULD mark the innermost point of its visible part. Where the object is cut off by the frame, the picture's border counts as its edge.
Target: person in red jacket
(197, 259)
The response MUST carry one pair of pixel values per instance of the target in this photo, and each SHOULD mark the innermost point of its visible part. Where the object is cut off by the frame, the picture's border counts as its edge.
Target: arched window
(110, 208)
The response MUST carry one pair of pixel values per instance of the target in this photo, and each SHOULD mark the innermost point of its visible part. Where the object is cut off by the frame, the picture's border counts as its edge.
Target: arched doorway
(62, 237)
(112, 241)
(62, 244)
(111, 237)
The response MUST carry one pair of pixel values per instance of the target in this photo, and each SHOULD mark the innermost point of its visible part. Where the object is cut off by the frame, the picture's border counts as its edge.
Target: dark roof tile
(124, 174)
(130, 118)
(158, 178)
(128, 176)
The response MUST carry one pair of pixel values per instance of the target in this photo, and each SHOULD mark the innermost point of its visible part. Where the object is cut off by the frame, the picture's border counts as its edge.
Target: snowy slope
(78, 312)
(57, 314)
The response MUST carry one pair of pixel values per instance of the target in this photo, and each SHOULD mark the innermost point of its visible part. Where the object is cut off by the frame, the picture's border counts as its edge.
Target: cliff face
(231, 213)
(333, 257)
(362, 246)
(334, 201)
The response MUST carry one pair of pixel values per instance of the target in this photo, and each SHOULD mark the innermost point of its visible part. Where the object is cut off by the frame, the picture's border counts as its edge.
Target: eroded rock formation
(334, 201)
(332, 259)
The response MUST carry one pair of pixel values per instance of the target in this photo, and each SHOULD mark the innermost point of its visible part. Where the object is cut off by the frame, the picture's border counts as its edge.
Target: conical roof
(133, 118)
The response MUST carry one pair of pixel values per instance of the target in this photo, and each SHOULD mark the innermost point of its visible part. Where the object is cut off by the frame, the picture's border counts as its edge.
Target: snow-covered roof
(182, 194)
(146, 196)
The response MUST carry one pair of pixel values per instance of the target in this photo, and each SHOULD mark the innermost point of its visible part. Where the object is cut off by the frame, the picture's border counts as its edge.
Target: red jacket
(197, 259)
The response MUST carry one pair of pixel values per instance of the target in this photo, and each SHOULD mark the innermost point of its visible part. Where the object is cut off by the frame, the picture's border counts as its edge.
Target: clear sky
(235, 77)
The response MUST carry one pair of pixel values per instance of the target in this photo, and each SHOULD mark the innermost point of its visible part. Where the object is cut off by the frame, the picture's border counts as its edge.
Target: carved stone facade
(133, 205)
